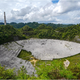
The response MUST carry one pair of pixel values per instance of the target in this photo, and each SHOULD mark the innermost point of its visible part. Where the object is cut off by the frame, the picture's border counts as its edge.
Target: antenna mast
(4, 18)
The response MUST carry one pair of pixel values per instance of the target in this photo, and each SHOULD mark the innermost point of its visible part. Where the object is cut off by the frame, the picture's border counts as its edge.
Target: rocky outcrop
(77, 39)
(66, 63)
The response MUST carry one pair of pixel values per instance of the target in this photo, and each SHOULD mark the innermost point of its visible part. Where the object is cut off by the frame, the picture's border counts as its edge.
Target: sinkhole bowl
(49, 49)
(41, 49)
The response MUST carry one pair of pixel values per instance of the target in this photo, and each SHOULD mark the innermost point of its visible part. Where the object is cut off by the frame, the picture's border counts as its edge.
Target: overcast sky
(45, 11)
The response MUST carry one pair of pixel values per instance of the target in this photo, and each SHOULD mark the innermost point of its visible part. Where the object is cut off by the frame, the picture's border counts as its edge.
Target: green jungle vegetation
(25, 55)
(8, 33)
(45, 69)
(54, 69)
(35, 24)
(49, 69)
(43, 31)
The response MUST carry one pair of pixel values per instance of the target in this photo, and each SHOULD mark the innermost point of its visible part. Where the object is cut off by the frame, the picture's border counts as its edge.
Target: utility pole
(4, 18)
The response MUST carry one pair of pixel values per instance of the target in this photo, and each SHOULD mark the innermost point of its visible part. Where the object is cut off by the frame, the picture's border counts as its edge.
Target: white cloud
(65, 11)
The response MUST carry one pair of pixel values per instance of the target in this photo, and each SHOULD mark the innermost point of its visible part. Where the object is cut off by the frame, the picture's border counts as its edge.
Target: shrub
(6, 73)
(22, 73)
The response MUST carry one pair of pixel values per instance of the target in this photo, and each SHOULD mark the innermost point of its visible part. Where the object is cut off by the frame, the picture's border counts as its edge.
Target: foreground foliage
(55, 69)
(6, 73)
(47, 70)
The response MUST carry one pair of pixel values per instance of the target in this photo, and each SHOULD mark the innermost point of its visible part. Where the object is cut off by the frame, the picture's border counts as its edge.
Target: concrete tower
(4, 18)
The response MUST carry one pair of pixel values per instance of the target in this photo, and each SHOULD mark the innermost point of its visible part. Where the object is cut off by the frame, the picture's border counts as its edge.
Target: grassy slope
(55, 69)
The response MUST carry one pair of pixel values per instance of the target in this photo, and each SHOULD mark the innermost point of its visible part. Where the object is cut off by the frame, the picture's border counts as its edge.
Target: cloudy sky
(42, 11)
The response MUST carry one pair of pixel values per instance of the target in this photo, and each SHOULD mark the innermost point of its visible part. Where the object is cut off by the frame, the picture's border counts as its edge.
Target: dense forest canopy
(35, 24)
(9, 33)
(36, 30)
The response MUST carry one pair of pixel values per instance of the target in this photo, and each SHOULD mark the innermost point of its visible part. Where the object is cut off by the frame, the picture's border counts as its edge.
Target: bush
(6, 73)
(22, 73)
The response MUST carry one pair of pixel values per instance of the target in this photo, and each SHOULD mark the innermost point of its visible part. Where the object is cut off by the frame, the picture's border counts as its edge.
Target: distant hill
(36, 24)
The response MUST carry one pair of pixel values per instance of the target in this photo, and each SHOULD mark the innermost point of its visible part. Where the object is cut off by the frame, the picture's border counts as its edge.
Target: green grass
(25, 55)
(74, 60)
(54, 69)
